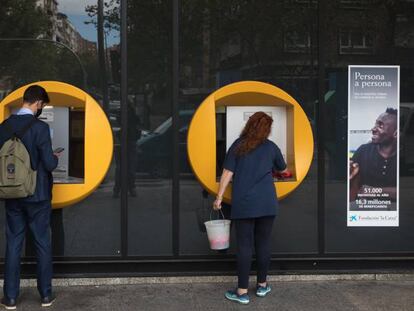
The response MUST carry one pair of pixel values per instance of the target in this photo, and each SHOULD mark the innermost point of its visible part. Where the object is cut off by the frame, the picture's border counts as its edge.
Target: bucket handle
(219, 212)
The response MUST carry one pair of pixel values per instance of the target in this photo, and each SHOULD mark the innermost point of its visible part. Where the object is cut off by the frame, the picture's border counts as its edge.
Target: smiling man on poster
(374, 165)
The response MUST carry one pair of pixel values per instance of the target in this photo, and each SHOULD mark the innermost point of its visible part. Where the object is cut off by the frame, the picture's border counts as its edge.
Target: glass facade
(150, 205)
(375, 33)
(54, 49)
(228, 42)
(149, 96)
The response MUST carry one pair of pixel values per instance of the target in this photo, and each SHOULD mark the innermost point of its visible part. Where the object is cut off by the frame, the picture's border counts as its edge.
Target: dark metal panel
(124, 126)
(175, 119)
(101, 56)
(320, 123)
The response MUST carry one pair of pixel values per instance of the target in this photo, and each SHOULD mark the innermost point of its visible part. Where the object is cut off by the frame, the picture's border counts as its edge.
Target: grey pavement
(335, 295)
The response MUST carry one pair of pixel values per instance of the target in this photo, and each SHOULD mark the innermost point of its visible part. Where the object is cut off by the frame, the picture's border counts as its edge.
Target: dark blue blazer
(39, 145)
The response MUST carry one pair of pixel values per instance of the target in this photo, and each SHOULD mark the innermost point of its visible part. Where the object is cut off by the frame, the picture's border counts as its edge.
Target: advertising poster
(373, 146)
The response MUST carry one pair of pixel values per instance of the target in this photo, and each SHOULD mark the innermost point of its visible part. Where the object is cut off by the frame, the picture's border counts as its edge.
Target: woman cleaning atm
(250, 163)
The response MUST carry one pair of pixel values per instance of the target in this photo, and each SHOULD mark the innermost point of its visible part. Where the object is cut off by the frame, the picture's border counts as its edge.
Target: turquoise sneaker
(233, 296)
(262, 291)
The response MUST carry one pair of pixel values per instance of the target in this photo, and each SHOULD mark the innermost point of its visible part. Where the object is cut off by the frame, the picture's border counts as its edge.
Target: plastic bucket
(218, 232)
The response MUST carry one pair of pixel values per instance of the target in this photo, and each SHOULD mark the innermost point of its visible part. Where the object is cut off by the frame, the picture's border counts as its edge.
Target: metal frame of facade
(124, 122)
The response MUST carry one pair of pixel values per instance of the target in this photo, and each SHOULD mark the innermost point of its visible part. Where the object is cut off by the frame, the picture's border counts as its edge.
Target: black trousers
(253, 233)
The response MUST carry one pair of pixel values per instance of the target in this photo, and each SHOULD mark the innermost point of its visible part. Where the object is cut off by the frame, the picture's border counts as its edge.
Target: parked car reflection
(155, 149)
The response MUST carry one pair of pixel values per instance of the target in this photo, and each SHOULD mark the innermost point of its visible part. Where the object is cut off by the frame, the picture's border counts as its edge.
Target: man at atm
(34, 210)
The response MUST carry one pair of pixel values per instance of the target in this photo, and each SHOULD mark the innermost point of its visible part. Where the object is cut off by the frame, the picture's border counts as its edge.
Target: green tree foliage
(111, 14)
(22, 61)
(17, 21)
(22, 19)
(149, 39)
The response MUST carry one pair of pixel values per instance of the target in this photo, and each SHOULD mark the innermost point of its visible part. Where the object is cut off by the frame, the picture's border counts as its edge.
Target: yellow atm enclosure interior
(79, 125)
(291, 131)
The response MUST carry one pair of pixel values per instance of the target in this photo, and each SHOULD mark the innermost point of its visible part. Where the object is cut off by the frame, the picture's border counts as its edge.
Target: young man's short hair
(34, 93)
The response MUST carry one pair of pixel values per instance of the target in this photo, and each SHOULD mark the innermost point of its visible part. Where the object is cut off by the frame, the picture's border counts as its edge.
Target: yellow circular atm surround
(98, 137)
(202, 133)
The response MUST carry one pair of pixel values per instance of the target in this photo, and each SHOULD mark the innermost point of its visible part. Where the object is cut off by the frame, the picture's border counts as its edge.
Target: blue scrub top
(254, 193)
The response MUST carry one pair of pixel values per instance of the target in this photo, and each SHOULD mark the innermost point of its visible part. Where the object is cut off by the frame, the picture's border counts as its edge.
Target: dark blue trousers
(19, 216)
(253, 233)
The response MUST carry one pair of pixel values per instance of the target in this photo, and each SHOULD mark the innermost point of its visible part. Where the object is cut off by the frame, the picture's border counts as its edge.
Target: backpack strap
(20, 133)
(23, 131)
(8, 129)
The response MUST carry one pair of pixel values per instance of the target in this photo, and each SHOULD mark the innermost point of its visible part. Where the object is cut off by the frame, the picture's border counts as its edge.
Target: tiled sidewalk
(328, 295)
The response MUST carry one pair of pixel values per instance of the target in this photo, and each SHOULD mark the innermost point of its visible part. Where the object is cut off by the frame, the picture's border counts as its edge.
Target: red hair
(255, 132)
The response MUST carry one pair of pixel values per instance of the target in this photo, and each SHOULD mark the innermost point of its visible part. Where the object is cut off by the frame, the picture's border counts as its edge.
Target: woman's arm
(224, 181)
